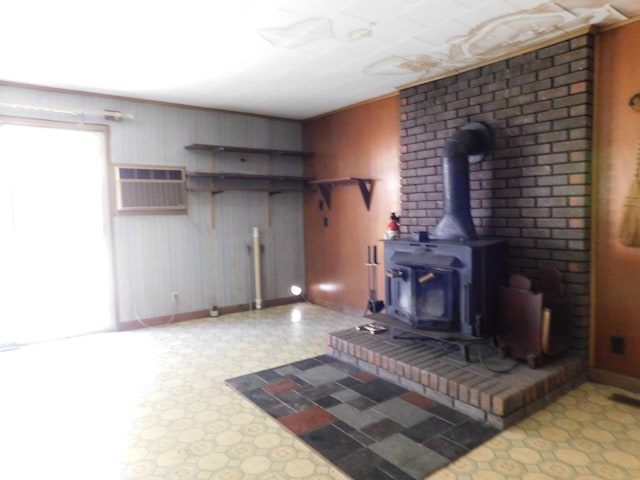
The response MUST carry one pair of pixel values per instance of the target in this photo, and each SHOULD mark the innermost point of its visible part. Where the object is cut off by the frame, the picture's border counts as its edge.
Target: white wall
(206, 263)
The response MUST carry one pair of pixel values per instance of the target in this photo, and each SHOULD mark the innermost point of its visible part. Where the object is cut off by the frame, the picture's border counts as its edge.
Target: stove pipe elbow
(469, 145)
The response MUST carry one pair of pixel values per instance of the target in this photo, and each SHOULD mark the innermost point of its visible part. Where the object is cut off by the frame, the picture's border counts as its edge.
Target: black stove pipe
(471, 144)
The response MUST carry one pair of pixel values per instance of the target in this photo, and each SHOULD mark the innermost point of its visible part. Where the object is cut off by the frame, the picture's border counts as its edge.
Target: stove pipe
(471, 144)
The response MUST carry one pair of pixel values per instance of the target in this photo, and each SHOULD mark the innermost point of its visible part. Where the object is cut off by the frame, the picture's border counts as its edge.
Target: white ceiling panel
(378, 11)
(396, 29)
(475, 3)
(413, 46)
(486, 12)
(524, 4)
(315, 8)
(444, 32)
(289, 58)
(434, 12)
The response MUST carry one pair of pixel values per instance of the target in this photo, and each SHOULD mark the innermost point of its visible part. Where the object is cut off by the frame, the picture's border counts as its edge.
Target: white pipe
(116, 115)
(256, 267)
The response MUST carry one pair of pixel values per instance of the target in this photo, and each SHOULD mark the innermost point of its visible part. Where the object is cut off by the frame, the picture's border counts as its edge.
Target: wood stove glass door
(434, 299)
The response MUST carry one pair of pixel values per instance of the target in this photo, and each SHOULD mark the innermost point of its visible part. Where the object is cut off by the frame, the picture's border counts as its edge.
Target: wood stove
(447, 286)
(451, 282)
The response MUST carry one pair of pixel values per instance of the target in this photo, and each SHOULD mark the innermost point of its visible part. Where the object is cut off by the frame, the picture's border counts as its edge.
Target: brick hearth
(438, 370)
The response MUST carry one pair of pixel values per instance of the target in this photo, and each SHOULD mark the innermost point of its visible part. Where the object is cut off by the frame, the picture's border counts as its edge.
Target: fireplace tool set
(373, 305)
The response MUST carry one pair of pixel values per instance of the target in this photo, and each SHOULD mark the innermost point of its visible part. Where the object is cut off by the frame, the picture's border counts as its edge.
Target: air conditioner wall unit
(152, 189)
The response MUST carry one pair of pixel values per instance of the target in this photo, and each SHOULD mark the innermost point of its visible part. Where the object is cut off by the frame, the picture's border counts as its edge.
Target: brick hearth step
(438, 370)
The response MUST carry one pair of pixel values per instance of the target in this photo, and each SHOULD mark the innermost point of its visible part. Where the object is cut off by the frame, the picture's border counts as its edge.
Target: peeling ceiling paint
(288, 58)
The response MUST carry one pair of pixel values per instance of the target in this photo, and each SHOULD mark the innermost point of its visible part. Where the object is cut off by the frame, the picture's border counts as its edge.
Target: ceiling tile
(376, 12)
(444, 32)
(526, 4)
(396, 29)
(350, 29)
(630, 8)
(412, 46)
(315, 8)
(485, 12)
(476, 3)
(434, 12)
(602, 16)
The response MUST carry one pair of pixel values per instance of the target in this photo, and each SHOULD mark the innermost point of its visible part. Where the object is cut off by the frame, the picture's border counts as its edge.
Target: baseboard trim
(631, 384)
(338, 307)
(182, 317)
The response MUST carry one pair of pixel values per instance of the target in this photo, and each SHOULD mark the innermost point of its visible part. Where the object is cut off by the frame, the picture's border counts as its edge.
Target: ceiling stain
(501, 36)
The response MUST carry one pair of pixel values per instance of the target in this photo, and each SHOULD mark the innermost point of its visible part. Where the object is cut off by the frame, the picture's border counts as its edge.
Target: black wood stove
(446, 286)
(451, 282)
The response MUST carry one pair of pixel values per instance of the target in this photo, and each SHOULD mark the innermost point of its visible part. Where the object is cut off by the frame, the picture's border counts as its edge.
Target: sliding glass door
(55, 279)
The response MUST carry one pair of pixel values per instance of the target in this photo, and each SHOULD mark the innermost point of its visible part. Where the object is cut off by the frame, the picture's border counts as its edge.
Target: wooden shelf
(325, 186)
(272, 190)
(247, 176)
(213, 190)
(220, 182)
(262, 151)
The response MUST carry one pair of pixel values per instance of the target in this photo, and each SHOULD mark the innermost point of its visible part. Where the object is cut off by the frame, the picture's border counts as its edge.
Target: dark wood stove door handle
(425, 278)
(395, 274)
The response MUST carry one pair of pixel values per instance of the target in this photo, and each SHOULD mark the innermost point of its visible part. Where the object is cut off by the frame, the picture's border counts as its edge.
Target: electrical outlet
(617, 345)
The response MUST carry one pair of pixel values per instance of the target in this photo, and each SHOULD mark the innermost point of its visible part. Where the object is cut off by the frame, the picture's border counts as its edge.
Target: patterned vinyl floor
(152, 404)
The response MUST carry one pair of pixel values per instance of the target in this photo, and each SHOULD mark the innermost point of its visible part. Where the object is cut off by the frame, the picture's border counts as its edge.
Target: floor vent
(625, 399)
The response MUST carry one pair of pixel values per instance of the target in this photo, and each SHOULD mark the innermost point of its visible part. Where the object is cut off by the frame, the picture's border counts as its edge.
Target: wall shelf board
(260, 151)
(325, 187)
(213, 190)
(247, 176)
(220, 182)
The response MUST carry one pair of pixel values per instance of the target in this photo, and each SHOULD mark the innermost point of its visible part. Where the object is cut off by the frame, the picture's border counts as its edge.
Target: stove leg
(464, 351)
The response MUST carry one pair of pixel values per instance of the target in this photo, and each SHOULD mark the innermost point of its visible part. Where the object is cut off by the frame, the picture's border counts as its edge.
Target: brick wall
(535, 190)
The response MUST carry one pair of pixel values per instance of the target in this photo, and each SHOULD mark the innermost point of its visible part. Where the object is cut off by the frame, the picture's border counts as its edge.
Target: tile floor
(152, 404)
(368, 427)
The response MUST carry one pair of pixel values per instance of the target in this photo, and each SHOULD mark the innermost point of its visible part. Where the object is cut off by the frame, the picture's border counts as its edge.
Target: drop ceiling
(287, 58)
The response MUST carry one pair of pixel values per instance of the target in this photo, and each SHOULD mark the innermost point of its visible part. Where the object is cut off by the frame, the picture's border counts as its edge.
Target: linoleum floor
(152, 404)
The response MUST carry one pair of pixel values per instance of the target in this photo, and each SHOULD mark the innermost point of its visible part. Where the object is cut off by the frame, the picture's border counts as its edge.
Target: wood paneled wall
(617, 267)
(362, 141)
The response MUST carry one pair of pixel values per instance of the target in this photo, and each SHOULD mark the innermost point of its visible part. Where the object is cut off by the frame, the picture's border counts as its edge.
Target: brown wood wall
(362, 141)
(617, 267)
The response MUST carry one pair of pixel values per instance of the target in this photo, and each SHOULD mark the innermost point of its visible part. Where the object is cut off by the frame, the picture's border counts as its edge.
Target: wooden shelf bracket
(326, 186)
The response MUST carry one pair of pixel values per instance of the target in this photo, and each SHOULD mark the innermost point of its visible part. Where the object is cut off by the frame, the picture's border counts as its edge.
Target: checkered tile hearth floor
(368, 427)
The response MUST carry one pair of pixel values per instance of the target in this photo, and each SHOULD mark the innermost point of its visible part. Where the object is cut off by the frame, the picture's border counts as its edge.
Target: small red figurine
(393, 228)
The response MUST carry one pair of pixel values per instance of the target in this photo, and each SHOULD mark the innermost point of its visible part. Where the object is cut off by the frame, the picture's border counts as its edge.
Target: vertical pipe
(256, 267)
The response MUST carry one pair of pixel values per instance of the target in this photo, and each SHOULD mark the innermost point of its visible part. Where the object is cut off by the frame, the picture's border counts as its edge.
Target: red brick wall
(535, 190)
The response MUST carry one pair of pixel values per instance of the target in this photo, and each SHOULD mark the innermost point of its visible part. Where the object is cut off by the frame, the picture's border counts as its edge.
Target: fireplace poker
(373, 304)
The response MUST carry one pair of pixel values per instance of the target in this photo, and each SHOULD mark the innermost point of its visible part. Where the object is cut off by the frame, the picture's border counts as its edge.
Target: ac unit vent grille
(151, 190)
